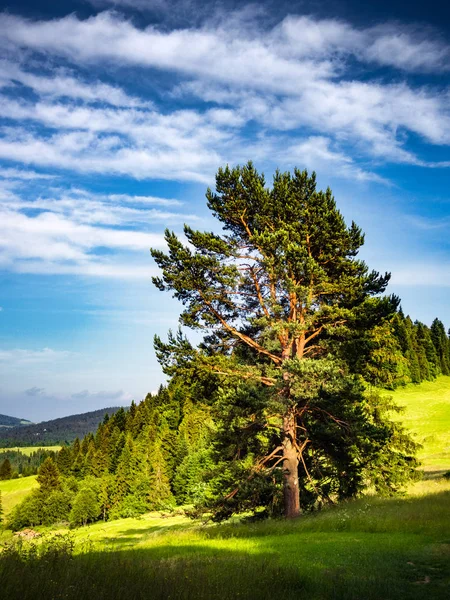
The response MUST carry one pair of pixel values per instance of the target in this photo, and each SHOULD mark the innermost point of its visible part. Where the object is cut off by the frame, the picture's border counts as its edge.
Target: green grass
(27, 450)
(15, 490)
(369, 549)
(427, 416)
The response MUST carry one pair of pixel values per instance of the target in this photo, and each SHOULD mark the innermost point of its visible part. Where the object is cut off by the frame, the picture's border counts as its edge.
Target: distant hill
(6, 421)
(47, 433)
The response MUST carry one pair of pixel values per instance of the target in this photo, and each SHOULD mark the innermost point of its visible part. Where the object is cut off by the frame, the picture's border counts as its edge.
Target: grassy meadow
(14, 491)
(373, 548)
(427, 416)
(27, 450)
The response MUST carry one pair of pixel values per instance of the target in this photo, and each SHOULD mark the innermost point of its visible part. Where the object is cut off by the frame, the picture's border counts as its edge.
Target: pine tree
(64, 460)
(411, 351)
(160, 493)
(426, 353)
(127, 470)
(5, 469)
(48, 476)
(276, 295)
(441, 345)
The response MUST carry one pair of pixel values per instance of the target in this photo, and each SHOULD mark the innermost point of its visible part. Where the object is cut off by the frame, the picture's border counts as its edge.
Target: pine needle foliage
(285, 305)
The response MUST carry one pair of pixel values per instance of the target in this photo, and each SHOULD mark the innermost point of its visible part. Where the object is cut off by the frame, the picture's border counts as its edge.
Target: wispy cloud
(81, 233)
(35, 391)
(21, 356)
(63, 84)
(297, 74)
(422, 274)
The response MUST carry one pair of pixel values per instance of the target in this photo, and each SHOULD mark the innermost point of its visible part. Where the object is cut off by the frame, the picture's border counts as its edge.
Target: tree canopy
(284, 302)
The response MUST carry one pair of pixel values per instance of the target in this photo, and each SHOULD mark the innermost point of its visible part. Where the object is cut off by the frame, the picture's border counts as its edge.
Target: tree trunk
(290, 469)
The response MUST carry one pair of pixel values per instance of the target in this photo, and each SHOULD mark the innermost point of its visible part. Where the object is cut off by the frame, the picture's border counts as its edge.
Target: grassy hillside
(427, 415)
(372, 548)
(27, 450)
(369, 549)
(14, 490)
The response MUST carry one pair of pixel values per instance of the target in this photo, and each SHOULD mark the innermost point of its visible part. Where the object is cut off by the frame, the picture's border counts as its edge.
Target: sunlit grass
(396, 548)
(368, 549)
(14, 491)
(427, 416)
(27, 450)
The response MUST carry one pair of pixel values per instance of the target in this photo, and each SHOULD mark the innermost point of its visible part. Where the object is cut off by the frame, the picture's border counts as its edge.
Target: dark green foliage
(85, 508)
(28, 513)
(64, 460)
(126, 468)
(56, 506)
(51, 503)
(48, 477)
(284, 302)
(190, 483)
(5, 469)
(58, 431)
(26, 464)
(6, 421)
(441, 345)
(160, 494)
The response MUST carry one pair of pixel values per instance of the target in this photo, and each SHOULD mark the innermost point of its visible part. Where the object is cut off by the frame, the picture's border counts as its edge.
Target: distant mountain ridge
(57, 431)
(6, 421)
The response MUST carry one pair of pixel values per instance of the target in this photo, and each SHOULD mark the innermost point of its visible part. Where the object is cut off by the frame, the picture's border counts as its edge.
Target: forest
(57, 431)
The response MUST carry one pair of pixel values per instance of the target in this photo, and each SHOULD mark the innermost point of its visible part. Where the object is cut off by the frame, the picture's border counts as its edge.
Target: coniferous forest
(280, 409)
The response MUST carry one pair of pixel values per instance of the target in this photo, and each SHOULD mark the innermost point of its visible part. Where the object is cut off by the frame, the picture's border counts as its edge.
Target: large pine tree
(277, 295)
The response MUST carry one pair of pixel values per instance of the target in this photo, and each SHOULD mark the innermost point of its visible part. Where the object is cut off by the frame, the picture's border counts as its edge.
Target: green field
(369, 549)
(14, 490)
(27, 450)
(427, 415)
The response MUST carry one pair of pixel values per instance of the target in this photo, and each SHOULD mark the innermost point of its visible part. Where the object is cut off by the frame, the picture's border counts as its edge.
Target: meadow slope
(372, 548)
(427, 415)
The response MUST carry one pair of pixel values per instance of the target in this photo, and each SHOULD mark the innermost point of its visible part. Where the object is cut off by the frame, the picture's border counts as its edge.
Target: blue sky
(116, 114)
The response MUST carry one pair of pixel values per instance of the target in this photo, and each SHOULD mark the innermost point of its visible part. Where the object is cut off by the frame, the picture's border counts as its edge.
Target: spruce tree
(441, 345)
(48, 476)
(5, 469)
(64, 460)
(160, 494)
(276, 295)
(412, 351)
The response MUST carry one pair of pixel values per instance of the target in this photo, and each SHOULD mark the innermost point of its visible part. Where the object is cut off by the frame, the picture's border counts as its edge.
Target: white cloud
(64, 85)
(20, 356)
(316, 153)
(408, 48)
(81, 233)
(294, 75)
(199, 52)
(21, 174)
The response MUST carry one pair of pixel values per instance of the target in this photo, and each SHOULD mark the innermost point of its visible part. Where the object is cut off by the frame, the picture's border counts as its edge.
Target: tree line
(14, 463)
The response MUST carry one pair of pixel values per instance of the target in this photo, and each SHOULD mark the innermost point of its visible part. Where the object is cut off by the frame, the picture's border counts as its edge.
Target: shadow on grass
(435, 474)
(384, 549)
(200, 572)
